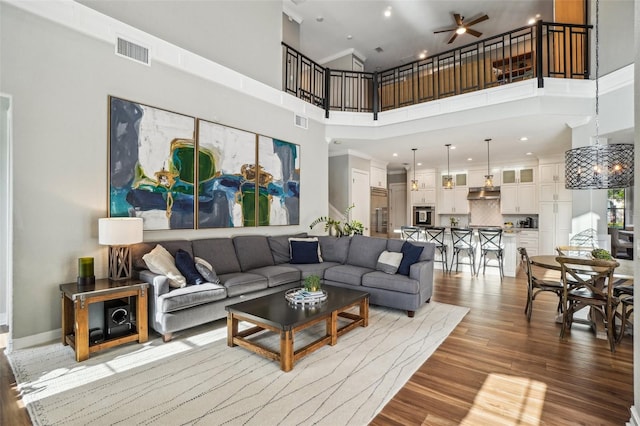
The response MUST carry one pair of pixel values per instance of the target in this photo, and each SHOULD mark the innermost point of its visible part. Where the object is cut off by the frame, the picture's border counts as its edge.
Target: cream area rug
(197, 379)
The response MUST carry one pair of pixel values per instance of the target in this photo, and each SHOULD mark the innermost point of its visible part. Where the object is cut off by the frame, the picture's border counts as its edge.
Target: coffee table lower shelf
(287, 356)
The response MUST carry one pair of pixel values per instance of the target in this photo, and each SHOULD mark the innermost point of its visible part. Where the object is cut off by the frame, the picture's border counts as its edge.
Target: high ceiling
(333, 28)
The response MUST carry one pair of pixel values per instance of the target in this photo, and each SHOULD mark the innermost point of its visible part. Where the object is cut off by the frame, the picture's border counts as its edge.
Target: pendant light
(488, 178)
(448, 179)
(599, 166)
(414, 182)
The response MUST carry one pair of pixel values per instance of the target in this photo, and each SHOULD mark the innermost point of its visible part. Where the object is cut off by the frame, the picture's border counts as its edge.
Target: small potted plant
(601, 254)
(312, 283)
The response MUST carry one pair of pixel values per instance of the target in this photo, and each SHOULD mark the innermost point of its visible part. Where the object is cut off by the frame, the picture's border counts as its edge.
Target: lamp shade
(599, 167)
(120, 231)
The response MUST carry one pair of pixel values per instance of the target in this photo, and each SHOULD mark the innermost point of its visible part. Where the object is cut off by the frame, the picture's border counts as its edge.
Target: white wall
(5, 206)
(60, 81)
(616, 42)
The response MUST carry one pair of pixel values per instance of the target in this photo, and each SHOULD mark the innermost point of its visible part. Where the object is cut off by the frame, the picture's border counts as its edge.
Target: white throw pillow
(160, 261)
(306, 239)
(389, 261)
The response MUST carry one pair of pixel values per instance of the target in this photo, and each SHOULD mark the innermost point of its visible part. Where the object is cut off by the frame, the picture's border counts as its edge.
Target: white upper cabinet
(552, 183)
(518, 176)
(378, 177)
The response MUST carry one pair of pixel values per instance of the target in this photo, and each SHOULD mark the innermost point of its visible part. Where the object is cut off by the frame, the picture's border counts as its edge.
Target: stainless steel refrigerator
(379, 212)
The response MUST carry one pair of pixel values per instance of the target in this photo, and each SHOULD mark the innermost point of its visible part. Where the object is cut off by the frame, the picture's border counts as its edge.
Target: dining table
(624, 272)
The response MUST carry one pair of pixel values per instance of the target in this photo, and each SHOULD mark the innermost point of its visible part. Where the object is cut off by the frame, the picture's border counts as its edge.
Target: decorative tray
(300, 296)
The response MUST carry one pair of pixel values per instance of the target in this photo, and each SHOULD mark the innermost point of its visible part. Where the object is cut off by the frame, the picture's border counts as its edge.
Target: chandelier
(599, 166)
(488, 178)
(414, 182)
(448, 179)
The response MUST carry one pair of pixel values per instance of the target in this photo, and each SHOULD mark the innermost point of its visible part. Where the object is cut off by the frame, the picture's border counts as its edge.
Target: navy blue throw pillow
(410, 255)
(185, 265)
(304, 252)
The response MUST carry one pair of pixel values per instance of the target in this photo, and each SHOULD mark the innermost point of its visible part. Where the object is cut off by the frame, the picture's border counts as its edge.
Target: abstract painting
(279, 182)
(226, 176)
(151, 165)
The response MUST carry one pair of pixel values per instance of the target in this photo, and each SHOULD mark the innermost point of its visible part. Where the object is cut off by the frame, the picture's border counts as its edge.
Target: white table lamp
(118, 233)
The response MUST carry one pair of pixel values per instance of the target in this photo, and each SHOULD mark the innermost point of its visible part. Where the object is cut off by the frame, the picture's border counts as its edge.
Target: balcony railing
(545, 49)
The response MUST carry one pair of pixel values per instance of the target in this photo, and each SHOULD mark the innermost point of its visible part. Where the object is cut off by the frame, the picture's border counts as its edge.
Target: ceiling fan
(462, 28)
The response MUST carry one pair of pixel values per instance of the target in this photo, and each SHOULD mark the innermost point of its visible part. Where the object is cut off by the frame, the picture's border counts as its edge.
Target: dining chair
(462, 242)
(537, 285)
(588, 283)
(625, 295)
(410, 233)
(435, 235)
(575, 251)
(491, 243)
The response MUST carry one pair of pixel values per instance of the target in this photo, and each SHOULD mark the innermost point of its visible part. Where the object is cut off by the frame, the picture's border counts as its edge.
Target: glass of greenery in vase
(312, 283)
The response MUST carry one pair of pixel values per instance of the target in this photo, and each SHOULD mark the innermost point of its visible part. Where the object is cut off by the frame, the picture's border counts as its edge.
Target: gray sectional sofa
(255, 265)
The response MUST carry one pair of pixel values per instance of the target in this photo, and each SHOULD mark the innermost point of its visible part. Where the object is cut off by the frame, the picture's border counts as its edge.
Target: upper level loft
(545, 49)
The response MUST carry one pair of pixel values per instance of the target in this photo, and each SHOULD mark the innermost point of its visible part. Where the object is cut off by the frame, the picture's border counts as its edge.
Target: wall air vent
(133, 51)
(301, 121)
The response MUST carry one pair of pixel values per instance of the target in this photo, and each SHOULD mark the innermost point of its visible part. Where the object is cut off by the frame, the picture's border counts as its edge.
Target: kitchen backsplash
(485, 212)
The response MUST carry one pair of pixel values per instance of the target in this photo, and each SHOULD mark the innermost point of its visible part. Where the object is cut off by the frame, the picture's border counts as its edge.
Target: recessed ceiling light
(529, 153)
(531, 21)
(422, 55)
(395, 154)
(524, 139)
(349, 37)
(452, 147)
(387, 12)
(419, 164)
(469, 159)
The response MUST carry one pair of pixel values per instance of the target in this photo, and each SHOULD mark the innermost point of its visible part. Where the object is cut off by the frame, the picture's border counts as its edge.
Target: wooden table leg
(232, 329)
(67, 318)
(286, 350)
(334, 328)
(364, 311)
(81, 325)
(141, 316)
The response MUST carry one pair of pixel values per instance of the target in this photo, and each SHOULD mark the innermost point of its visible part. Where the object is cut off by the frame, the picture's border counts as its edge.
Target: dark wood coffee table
(274, 313)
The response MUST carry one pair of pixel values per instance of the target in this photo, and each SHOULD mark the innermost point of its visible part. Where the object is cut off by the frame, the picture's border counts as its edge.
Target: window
(615, 208)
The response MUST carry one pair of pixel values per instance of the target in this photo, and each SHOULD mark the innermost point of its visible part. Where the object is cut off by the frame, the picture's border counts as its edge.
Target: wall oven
(424, 215)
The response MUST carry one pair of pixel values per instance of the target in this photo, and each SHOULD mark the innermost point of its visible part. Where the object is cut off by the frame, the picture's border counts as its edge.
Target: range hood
(482, 193)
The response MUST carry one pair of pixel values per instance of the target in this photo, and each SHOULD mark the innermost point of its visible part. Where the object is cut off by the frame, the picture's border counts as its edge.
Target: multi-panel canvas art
(243, 179)
(152, 165)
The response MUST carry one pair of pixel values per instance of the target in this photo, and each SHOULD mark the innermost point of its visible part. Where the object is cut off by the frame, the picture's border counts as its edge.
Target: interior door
(360, 197)
(397, 207)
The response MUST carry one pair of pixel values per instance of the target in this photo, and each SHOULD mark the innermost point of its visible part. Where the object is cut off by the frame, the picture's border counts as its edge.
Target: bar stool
(436, 235)
(491, 243)
(462, 239)
(410, 233)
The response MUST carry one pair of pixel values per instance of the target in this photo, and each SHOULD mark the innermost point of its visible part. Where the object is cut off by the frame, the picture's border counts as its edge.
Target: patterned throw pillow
(389, 261)
(160, 261)
(206, 270)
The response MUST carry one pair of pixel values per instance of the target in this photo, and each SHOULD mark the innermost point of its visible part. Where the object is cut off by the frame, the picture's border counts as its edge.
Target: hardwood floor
(495, 368)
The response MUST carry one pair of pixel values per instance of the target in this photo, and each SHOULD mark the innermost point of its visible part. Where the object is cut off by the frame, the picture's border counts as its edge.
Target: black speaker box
(117, 318)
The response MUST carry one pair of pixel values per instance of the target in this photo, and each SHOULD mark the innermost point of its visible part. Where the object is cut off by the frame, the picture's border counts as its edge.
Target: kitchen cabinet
(423, 196)
(454, 201)
(518, 176)
(552, 181)
(426, 193)
(554, 225)
(518, 199)
(378, 177)
(459, 179)
(426, 179)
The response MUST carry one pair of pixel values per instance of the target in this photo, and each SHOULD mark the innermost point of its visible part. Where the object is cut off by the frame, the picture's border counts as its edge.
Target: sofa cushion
(314, 268)
(304, 251)
(364, 251)
(186, 266)
(278, 274)
(186, 297)
(396, 282)
(238, 283)
(347, 274)
(389, 261)
(394, 245)
(410, 255)
(279, 245)
(160, 261)
(219, 252)
(252, 251)
(172, 246)
(334, 249)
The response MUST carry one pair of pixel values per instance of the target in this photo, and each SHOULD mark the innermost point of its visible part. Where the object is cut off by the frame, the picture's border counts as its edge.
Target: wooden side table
(75, 313)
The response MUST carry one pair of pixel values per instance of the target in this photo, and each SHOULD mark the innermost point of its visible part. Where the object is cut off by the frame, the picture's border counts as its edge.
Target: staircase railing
(546, 49)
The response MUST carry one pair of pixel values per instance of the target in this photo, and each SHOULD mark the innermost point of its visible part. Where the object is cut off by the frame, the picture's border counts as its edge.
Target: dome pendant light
(599, 166)
(448, 179)
(488, 178)
(414, 182)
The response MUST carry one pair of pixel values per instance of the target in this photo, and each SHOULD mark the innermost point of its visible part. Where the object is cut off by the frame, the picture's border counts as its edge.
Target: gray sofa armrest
(159, 283)
(423, 272)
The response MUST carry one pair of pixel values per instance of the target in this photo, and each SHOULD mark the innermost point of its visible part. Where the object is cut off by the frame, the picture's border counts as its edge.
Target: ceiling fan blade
(458, 19)
(453, 37)
(445, 31)
(475, 21)
(474, 32)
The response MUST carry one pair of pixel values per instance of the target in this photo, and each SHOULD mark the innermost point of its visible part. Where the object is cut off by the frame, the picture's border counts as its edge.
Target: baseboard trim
(35, 339)
(635, 417)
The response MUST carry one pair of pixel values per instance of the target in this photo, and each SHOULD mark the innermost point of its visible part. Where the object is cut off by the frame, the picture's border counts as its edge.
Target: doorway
(360, 198)
(397, 207)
